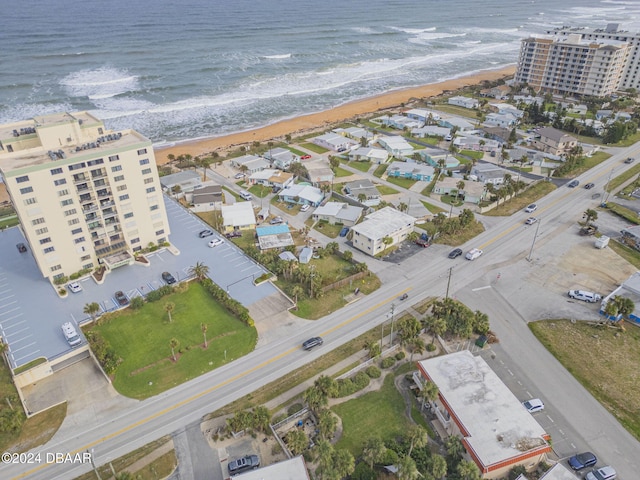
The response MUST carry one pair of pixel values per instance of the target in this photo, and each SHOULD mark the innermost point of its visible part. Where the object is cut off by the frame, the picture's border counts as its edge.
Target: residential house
(291, 469)
(630, 288)
(499, 92)
(528, 99)
(466, 102)
(501, 135)
(473, 192)
(305, 255)
(422, 115)
(553, 141)
(497, 432)
(335, 141)
(504, 120)
(250, 163)
(369, 154)
(288, 256)
(430, 131)
(301, 194)
(338, 213)
(185, 181)
(271, 177)
(281, 158)
(604, 114)
(489, 173)
(474, 142)
(364, 191)
(580, 109)
(320, 174)
(400, 122)
(507, 108)
(433, 157)
(396, 145)
(369, 236)
(460, 124)
(356, 133)
(238, 216)
(411, 170)
(207, 198)
(274, 236)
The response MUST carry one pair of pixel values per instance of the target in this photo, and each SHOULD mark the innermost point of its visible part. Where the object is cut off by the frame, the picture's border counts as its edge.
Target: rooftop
(383, 222)
(292, 469)
(238, 215)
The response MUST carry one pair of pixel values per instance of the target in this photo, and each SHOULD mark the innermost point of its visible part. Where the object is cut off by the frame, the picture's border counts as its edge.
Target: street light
(534, 240)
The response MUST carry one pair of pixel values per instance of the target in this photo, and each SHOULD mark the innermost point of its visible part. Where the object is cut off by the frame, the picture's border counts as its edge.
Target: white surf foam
(99, 83)
(277, 57)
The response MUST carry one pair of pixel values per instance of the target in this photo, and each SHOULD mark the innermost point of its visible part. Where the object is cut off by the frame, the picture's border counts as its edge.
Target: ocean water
(199, 68)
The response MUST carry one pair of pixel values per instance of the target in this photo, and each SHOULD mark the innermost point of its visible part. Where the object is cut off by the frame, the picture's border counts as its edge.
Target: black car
(234, 234)
(589, 186)
(455, 253)
(21, 247)
(167, 277)
(121, 298)
(629, 160)
(582, 460)
(404, 296)
(573, 183)
(312, 342)
(248, 462)
(205, 233)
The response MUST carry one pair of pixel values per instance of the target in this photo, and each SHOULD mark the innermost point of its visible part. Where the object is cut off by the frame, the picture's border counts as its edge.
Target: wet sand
(323, 120)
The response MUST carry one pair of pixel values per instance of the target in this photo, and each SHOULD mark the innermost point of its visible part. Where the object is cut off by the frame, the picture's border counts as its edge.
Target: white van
(584, 296)
(71, 334)
(245, 195)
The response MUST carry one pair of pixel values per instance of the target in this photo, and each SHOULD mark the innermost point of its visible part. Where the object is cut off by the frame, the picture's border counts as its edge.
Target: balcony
(104, 193)
(107, 204)
(80, 179)
(86, 198)
(91, 217)
(94, 226)
(82, 188)
(89, 208)
(109, 213)
(96, 174)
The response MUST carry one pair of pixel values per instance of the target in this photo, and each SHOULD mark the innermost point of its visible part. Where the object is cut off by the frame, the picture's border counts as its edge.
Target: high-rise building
(84, 195)
(631, 73)
(572, 65)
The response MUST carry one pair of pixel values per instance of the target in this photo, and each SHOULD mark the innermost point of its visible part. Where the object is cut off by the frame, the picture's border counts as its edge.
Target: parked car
(305, 157)
(71, 334)
(205, 233)
(215, 242)
(602, 473)
(168, 278)
(248, 462)
(305, 207)
(473, 254)
(573, 183)
(534, 405)
(21, 247)
(344, 231)
(455, 253)
(582, 460)
(312, 342)
(531, 208)
(75, 287)
(531, 220)
(584, 296)
(276, 220)
(589, 185)
(239, 175)
(121, 298)
(629, 160)
(234, 234)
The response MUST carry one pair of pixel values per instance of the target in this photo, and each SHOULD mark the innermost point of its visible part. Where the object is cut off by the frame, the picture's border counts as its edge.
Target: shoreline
(306, 123)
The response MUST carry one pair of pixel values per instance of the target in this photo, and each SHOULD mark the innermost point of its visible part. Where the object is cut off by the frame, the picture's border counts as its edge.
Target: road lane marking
(480, 288)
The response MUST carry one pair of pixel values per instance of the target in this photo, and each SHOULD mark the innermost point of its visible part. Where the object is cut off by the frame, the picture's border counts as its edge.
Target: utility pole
(606, 193)
(446, 297)
(534, 241)
(393, 310)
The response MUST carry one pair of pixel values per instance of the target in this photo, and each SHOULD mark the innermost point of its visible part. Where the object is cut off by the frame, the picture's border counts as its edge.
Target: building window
(63, 192)
(78, 240)
(146, 171)
(142, 151)
(128, 215)
(144, 161)
(45, 240)
(26, 190)
(116, 168)
(55, 268)
(121, 188)
(77, 166)
(76, 231)
(159, 232)
(137, 249)
(118, 178)
(70, 212)
(123, 197)
(48, 250)
(135, 240)
(41, 231)
(30, 201)
(24, 178)
(68, 201)
(154, 207)
(37, 221)
(113, 158)
(62, 181)
(73, 221)
(85, 258)
(56, 171)
(151, 189)
(87, 266)
(148, 180)
(99, 161)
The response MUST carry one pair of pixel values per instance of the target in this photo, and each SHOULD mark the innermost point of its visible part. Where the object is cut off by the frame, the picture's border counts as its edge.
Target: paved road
(507, 244)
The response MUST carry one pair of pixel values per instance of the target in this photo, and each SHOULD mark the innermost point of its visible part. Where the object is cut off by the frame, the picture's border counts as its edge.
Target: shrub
(62, 292)
(431, 347)
(349, 386)
(363, 472)
(373, 371)
(61, 280)
(137, 303)
(400, 356)
(388, 362)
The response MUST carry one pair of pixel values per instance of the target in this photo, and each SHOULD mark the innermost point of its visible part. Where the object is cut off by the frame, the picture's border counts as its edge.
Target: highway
(506, 244)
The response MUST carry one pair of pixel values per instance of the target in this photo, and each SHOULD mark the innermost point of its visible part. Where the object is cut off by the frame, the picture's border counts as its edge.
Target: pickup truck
(588, 230)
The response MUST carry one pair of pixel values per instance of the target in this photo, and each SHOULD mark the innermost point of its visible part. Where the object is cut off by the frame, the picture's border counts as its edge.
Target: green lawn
(631, 255)
(402, 182)
(327, 229)
(623, 177)
(362, 166)
(385, 190)
(141, 338)
(313, 147)
(624, 212)
(341, 172)
(9, 221)
(361, 417)
(260, 191)
(432, 208)
(472, 153)
(456, 110)
(380, 169)
(523, 199)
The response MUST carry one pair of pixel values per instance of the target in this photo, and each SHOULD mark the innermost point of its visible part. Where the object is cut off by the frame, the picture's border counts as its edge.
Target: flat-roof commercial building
(291, 469)
(369, 236)
(84, 195)
(497, 431)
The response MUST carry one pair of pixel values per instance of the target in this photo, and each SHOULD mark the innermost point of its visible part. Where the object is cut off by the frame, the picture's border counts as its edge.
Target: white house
(239, 216)
(505, 108)
(430, 131)
(369, 154)
(371, 195)
(291, 469)
(465, 102)
(338, 213)
(397, 146)
(473, 192)
(302, 194)
(400, 122)
(271, 177)
(253, 163)
(357, 133)
(460, 123)
(334, 141)
(474, 142)
(207, 198)
(422, 115)
(369, 236)
(187, 180)
(281, 157)
(504, 120)
(489, 173)
(319, 174)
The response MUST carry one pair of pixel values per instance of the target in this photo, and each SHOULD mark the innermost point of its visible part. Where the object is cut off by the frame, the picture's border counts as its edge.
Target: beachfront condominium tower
(571, 65)
(631, 73)
(84, 195)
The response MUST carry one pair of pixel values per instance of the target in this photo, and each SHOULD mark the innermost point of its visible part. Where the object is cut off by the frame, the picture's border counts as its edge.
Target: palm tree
(407, 469)
(460, 186)
(417, 437)
(437, 325)
(173, 344)
(454, 447)
(625, 305)
(362, 197)
(296, 291)
(428, 393)
(373, 451)
(589, 216)
(297, 441)
(205, 163)
(169, 307)
(324, 451)
(199, 270)
(467, 470)
(343, 463)
(203, 328)
(91, 309)
(327, 423)
(403, 207)
(438, 466)
(373, 347)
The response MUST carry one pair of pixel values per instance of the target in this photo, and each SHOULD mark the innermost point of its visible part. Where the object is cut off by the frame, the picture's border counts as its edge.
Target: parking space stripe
(7, 320)
(27, 329)
(32, 354)
(15, 350)
(13, 342)
(9, 311)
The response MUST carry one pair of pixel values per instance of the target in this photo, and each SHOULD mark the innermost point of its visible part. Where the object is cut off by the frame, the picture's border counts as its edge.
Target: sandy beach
(298, 125)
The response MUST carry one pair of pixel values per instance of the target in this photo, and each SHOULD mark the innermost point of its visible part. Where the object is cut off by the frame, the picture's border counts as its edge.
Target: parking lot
(31, 312)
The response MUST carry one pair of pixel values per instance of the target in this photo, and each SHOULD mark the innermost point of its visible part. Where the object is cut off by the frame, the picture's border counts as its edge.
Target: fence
(344, 281)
